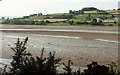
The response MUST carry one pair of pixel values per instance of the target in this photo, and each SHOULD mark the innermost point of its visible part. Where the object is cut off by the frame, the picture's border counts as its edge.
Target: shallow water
(91, 31)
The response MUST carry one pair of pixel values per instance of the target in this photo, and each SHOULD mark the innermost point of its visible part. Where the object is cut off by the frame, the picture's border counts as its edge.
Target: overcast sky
(26, 7)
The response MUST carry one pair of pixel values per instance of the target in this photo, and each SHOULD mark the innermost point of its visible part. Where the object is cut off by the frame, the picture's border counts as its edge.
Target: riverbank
(75, 27)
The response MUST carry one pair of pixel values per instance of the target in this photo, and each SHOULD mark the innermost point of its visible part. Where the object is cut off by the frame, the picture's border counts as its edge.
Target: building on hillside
(108, 20)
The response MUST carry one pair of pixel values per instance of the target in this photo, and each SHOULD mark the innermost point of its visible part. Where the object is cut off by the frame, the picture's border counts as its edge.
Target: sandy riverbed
(81, 47)
(81, 50)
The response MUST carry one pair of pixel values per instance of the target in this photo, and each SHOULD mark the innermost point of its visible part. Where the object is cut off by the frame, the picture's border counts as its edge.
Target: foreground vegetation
(84, 16)
(25, 64)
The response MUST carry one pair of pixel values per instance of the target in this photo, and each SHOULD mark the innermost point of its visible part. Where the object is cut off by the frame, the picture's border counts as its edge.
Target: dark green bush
(81, 22)
(24, 64)
(96, 69)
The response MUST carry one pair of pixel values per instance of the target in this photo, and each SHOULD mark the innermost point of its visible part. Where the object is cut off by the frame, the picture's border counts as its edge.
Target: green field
(67, 18)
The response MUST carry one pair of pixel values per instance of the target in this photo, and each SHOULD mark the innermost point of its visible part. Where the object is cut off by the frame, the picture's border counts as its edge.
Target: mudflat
(80, 47)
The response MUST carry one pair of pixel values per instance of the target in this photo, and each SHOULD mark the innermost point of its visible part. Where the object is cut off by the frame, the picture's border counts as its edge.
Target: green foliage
(3, 17)
(40, 23)
(96, 69)
(68, 67)
(112, 24)
(71, 22)
(48, 21)
(24, 22)
(58, 23)
(94, 22)
(89, 17)
(78, 23)
(74, 17)
(24, 64)
(40, 14)
(113, 67)
(90, 9)
(58, 14)
(24, 17)
(70, 11)
(63, 16)
(76, 12)
(93, 69)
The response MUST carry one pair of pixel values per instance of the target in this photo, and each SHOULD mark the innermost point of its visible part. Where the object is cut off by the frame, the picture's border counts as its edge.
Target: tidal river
(81, 44)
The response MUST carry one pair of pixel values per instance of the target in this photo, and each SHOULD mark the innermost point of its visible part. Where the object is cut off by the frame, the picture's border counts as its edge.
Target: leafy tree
(3, 17)
(6, 22)
(94, 22)
(63, 16)
(89, 15)
(33, 15)
(89, 9)
(40, 14)
(71, 22)
(8, 18)
(101, 23)
(24, 17)
(48, 21)
(113, 16)
(70, 11)
(42, 22)
(81, 12)
(76, 12)
(31, 22)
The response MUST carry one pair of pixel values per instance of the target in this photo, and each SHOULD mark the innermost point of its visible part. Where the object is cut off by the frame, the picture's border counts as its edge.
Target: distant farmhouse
(108, 20)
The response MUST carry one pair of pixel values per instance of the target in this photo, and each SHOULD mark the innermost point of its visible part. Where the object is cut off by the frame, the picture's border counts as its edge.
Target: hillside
(113, 11)
(91, 15)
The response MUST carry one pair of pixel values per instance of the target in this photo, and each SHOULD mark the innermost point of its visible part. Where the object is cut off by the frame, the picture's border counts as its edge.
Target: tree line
(25, 22)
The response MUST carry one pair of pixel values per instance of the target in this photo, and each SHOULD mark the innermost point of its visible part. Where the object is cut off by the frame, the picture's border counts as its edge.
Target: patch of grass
(81, 18)
(3, 20)
(58, 14)
(78, 20)
(111, 24)
(100, 15)
(40, 17)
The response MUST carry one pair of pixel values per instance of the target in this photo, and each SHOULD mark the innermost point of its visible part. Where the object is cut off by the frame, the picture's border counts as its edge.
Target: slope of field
(82, 18)
(88, 12)
(113, 11)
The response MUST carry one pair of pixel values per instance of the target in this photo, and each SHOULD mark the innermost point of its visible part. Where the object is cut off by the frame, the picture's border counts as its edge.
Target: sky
(21, 8)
